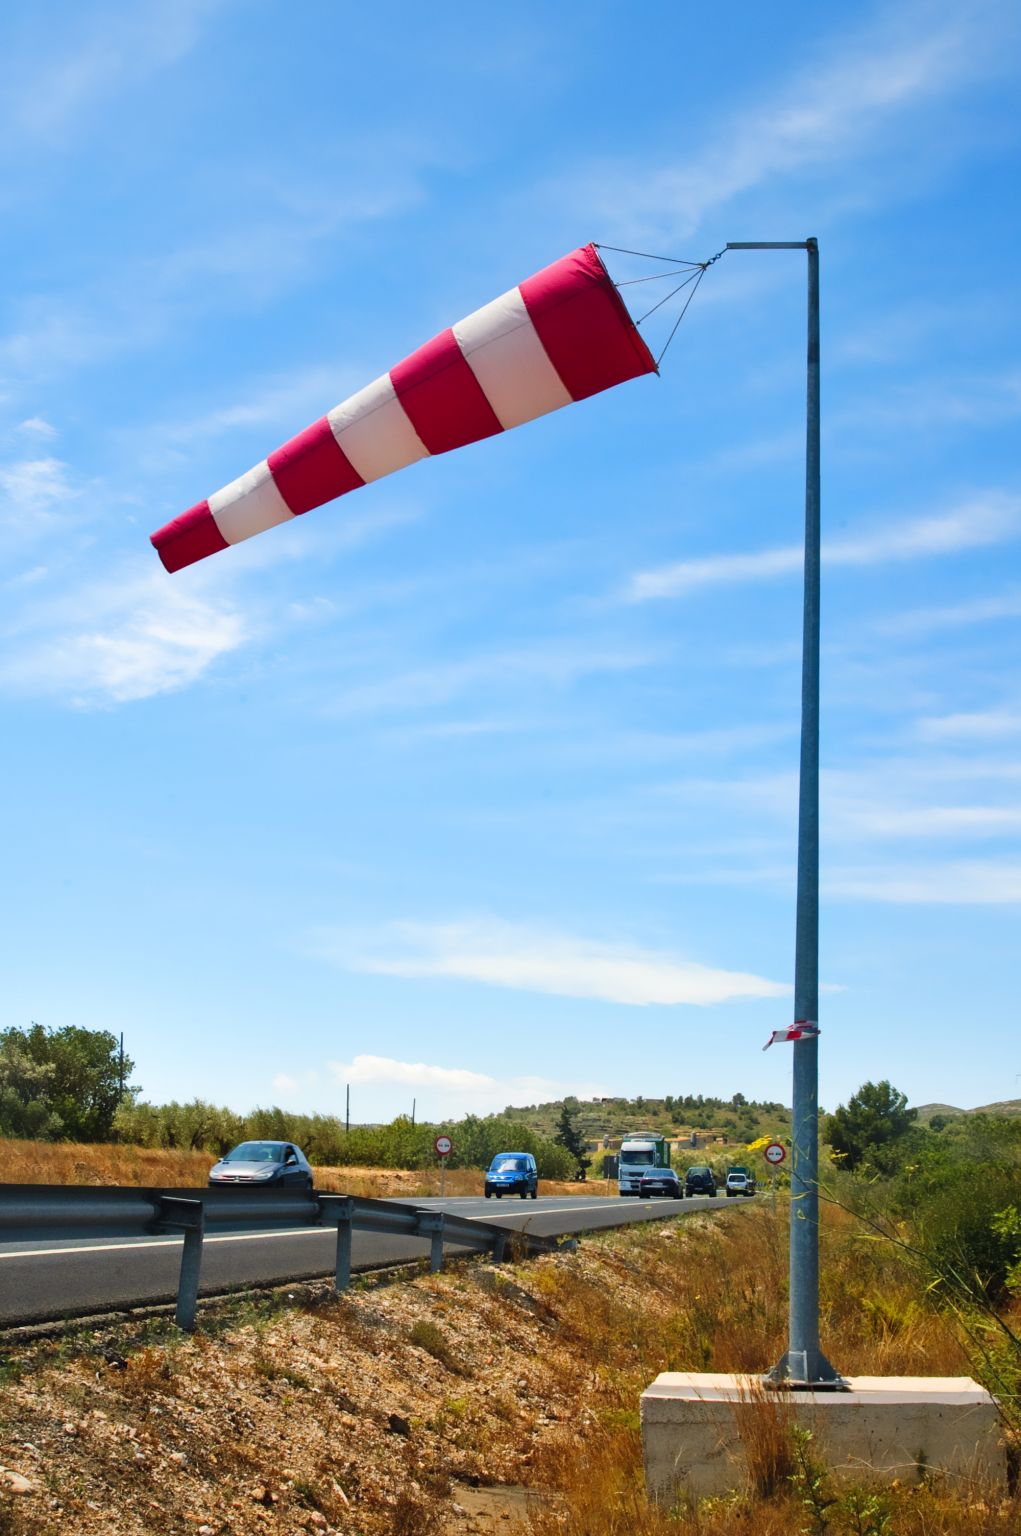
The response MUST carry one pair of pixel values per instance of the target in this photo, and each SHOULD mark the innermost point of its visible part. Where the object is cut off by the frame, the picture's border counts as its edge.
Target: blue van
(513, 1173)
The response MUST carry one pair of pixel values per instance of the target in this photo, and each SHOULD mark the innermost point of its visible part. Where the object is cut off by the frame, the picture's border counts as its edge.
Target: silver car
(264, 1162)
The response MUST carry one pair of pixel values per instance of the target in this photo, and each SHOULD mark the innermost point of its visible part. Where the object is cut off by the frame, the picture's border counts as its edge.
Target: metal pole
(343, 1268)
(804, 1364)
(188, 1282)
(430, 1224)
(347, 1111)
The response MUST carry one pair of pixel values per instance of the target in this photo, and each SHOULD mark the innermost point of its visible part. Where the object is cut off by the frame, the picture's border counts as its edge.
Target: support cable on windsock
(558, 337)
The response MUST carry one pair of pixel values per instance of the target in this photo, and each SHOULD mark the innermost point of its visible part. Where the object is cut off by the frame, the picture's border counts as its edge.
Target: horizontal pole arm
(769, 245)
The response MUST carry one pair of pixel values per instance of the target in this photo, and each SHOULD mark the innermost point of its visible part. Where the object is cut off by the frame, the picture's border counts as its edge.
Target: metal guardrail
(30, 1212)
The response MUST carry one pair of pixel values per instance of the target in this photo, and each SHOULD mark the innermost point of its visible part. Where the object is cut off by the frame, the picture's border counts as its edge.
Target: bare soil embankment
(418, 1407)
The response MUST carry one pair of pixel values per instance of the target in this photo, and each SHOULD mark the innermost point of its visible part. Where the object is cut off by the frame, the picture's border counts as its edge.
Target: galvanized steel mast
(803, 1364)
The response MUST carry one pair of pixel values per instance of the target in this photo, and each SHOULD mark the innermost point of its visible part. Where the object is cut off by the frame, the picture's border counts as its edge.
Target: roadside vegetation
(68, 1162)
(400, 1408)
(528, 1376)
(74, 1086)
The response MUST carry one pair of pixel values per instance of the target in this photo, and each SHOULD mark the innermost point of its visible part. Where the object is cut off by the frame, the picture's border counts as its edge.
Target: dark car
(700, 1180)
(659, 1181)
(264, 1162)
(512, 1173)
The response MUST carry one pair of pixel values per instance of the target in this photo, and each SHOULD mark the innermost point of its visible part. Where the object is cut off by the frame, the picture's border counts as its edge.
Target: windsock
(559, 336)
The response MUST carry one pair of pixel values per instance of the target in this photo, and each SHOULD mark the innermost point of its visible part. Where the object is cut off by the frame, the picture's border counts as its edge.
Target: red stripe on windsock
(442, 397)
(312, 468)
(581, 321)
(190, 537)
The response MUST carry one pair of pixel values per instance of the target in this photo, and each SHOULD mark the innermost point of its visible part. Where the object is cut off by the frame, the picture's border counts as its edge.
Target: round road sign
(774, 1153)
(444, 1146)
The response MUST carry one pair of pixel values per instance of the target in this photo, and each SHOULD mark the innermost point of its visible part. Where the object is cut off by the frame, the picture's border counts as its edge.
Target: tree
(84, 1086)
(867, 1127)
(24, 1095)
(570, 1138)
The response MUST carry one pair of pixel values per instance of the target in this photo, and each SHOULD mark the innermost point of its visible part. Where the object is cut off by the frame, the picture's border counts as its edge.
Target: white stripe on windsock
(373, 429)
(250, 504)
(503, 350)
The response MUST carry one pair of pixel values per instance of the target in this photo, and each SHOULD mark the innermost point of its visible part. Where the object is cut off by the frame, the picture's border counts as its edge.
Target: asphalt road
(45, 1280)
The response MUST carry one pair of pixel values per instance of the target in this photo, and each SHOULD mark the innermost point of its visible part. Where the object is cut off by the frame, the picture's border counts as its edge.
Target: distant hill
(738, 1120)
(926, 1111)
(1004, 1107)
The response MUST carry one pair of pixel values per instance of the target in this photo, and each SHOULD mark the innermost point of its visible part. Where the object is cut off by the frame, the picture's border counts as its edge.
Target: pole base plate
(792, 1374)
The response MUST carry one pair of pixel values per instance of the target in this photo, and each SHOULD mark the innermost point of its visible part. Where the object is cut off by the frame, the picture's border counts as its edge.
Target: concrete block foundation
(706, 1434)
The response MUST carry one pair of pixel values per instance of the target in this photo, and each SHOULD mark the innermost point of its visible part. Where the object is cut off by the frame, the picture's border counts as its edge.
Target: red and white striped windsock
(559, 336)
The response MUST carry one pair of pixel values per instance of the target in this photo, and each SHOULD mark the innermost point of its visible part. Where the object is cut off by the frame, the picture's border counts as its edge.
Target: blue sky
(479, 786)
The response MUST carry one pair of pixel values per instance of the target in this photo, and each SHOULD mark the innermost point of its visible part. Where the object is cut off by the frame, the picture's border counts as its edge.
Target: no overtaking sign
(443, 1146)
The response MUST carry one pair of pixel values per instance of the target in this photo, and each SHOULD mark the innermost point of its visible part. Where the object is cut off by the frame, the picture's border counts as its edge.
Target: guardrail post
(430, 1223)
(342, 1279)
(188, 1283)
(340, 1208)
(177, 1214)
(499, 1247)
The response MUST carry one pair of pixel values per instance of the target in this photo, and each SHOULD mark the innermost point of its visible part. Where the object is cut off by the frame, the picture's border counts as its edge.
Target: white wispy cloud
(503, 954)
(839, 106)
(741, 831)
(286, 401)
(451, 1090)
(972, 882)
(978, 523)
(852, 821)
(37, 426)
(32, 491)
(933, 405)
(979, 610)
(92, 55)
(410, 1074)
(685, 576)
(978, 725)
(116, 641)
(259, 240)
(552, 665)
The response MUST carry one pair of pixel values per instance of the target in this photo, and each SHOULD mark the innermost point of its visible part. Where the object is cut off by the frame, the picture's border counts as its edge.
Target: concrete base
(705, 1434)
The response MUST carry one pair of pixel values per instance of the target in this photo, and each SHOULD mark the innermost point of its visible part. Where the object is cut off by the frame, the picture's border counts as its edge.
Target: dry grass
(69, 1162)
(716, 1300)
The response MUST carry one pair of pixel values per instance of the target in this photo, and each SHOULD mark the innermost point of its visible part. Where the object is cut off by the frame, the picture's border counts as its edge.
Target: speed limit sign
(774, 1153)
(443, 1146)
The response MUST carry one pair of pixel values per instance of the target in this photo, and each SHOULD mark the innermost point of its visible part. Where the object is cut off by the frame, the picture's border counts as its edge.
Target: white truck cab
(639, 1153)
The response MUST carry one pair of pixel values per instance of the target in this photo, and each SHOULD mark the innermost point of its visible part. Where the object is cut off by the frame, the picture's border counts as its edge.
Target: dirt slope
(394, 1410)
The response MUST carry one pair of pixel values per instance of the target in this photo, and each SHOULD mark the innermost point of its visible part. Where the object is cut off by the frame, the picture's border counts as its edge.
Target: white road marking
(167, 1242)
